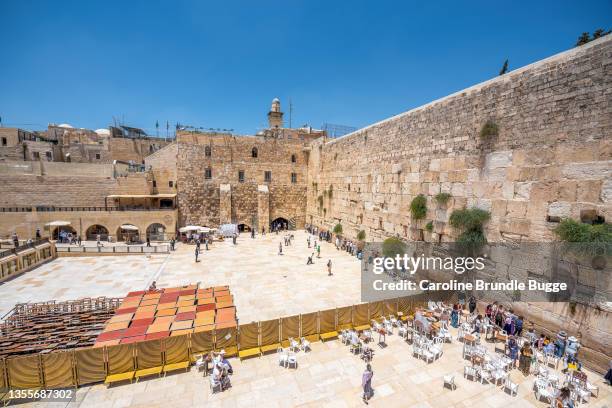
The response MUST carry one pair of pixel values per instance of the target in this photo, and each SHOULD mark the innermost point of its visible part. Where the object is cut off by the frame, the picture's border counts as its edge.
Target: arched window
(293, 158)
(207, 151)
(254, 152)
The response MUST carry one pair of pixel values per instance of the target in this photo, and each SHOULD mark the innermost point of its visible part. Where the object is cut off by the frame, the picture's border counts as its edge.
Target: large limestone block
(588, 171)
(500, 159)
(560, 209)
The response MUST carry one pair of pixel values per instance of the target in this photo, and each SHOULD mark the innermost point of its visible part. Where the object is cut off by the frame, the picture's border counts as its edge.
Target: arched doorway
(64, 233)
(156, 232)
(244, 228)
(92, 233)
(279, 223)
(128, 233)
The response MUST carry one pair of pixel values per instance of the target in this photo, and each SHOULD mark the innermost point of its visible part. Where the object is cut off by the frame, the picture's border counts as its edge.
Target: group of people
(218, 366)
(348, 246)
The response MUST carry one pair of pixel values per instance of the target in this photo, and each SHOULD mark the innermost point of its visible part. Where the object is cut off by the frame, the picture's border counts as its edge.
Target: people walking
(366, 383)
(319, 251)
(148, 242)
(197, 253)
(309, 261)
(329, 266)
(280, 248)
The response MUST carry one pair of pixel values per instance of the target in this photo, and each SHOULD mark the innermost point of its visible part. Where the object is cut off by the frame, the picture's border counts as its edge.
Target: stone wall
(550, 158)
(163, 164)
(200, 200)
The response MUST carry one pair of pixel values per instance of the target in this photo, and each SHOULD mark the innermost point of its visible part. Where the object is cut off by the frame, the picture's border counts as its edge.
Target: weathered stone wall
(552, 156)
(162, 165)
(199, 198)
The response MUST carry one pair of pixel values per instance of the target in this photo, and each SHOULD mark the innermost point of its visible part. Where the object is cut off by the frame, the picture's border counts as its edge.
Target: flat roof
(141, 196)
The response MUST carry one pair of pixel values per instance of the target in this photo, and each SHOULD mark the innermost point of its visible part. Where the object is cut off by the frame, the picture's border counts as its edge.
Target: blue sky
(219, 64)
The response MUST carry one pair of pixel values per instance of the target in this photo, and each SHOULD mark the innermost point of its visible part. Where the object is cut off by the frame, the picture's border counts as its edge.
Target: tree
(600, 33)
(583, 39)
(504, 68)
(338, 229)
(586, 38)
(361, 235)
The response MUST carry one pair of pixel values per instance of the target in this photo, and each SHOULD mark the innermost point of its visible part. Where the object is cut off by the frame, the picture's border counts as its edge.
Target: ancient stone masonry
(551, 156)
(225, 178)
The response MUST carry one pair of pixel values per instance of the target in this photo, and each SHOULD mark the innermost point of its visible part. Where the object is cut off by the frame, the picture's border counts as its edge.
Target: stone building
(252, 181)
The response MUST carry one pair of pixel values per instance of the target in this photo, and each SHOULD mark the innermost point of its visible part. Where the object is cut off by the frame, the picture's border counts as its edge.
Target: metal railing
(70, 209)
(116, 249)
(10, 251)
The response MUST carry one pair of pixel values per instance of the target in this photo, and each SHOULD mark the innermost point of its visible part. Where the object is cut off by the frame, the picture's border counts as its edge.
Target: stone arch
(254, 152)
(156, 231)
(128, 235)
(67, 228)
(92, 232)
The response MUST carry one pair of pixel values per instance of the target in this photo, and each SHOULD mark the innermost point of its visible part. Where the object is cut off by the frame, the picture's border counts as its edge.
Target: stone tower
(275, 116)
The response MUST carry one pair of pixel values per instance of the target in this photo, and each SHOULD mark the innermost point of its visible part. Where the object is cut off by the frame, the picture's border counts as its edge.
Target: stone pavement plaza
(265, 285)
(328, 376)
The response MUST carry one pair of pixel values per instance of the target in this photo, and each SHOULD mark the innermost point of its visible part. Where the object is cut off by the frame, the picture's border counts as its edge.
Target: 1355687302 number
(54, 395)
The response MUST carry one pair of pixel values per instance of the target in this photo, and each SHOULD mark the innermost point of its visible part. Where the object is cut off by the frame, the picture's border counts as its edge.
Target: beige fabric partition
(360, 314)
(120, 358)
(345, 317)
(248, 335)
(58, 369)
(390, 307)
(24, 372)
(149, 354)
(3, 381)
(202, 342)
(290, 327)
(89, 365)
(269, 332)
(175, 349)
(309, 324)
(226, 339)
(376, 310)
(405, 305)
(327, 321)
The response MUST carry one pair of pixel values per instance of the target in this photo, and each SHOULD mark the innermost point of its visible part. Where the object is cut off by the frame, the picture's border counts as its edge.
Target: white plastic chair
(450, 381)
(214, 384)
(509, 385)
(542, 391)
(469, 371)
(305, 344)
(292, 360)
(293, 344)
(484, 375)
(282, 357)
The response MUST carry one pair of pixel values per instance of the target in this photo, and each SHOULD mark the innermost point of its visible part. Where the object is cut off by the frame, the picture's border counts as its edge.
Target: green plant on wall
(330, 192)
(361, 235)
(489, 129)
(338, 229)
(585, 239)
(393, 246)
(418, 207)
(442, 198)
(320, 200)
(429, 226)
(470, 222)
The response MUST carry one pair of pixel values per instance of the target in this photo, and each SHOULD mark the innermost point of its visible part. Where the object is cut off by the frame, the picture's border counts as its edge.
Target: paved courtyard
(329, 376)
(265, 285)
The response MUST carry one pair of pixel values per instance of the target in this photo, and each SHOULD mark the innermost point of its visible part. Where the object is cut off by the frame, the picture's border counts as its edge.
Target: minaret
(275, 116)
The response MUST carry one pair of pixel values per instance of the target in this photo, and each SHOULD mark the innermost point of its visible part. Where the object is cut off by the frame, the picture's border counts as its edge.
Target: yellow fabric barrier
(58, 369)
(360, 314)
(24, 372)
(148, 354)
(309, 324)
(327, 321)
(248, 335)
(226, 339)
(202, 342)
(390, 307)
(89, 365)
(175, 349)
(405, 305)
(3, 381)
(120, 358)
(290, 327)
(269, 332)
(345, 317)
(376, 309)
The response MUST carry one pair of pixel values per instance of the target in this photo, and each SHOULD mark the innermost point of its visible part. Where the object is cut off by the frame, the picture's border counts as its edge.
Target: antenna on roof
(290, 113)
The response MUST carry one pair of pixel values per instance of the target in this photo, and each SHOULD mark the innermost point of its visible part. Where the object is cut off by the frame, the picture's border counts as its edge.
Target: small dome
(104, 132)
(65, 125)
(275, 100)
